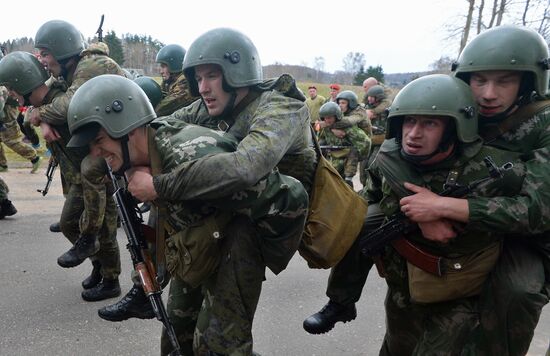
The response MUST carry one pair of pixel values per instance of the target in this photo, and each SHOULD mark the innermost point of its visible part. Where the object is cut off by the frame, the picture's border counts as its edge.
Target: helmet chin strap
(125, 156)
(228, 109)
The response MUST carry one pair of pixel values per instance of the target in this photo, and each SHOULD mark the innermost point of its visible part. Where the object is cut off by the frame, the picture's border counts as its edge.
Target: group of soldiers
(226, 160)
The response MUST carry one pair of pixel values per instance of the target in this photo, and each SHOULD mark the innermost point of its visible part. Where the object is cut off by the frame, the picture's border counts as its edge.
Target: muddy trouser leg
(71, 212)
(348, 277)
(232, 294)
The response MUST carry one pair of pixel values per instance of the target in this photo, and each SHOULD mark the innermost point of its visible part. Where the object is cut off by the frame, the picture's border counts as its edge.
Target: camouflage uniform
(88, 208)
(443, 328)
(273, 129)
(276, 204)
(346, 160)
(176, 95)
(11, 136)
(314, 105)
(357, 116)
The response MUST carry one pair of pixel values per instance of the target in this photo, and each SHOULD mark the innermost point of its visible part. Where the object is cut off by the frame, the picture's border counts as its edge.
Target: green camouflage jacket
(357, 116)
(276, 203)
(175, 95)
(355, 137)
(273, 131)
(392, 171)
(529, 212)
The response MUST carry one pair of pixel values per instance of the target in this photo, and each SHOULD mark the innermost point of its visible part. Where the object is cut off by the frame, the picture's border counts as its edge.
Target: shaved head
(368, 83)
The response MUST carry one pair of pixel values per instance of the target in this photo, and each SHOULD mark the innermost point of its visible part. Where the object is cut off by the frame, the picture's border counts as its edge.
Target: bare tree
(467, 25)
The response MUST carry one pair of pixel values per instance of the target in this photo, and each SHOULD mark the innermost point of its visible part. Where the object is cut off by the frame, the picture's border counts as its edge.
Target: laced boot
(94, 278)
(324, 320)
(55, 227)
(35, 164)
(85, 246)
(133, 305)
(7, 208)
(107, 288)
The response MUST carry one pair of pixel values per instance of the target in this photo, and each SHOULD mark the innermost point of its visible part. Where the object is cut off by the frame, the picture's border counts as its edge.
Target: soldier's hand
(50, 134)
(338, 133)
(421, 206)
(34, 117)
(140, 184)
(438, 230)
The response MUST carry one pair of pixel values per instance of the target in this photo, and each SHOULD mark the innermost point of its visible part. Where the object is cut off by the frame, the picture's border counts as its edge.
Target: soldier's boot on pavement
(3, 168)
(94, 278)
(55, 227)
(133, 305)
(35, 163)
(324, 320)
(7, 208)
(107, 288)
(85, 246)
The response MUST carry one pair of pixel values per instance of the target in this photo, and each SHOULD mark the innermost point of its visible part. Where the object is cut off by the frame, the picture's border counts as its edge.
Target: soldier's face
(495, 91)
(312, 93)
(343, 104)
(329, 120)
(209, 79)
(164, 71)
(108, 148)
(421, 135)
(49, 62)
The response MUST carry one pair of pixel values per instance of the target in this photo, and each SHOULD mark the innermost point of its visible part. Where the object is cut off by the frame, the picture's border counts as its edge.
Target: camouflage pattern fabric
(357, 116)
(4, 190)
(446, 326)
(519, 287)
(176, 94)
(275, 210)
(359, 143)
(314, 105)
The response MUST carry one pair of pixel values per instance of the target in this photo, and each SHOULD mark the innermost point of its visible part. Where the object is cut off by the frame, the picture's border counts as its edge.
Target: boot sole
(118, 319)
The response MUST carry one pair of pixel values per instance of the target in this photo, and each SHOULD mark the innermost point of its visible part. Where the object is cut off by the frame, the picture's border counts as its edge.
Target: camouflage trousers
(3, 190)
(346, 166)
(90, 209)
(13, 138)
(218, 317)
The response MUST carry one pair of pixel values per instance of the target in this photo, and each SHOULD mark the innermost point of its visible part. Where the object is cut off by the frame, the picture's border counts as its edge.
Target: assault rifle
(52, 165)
(399, 225)
(132, 221)
(329, 148)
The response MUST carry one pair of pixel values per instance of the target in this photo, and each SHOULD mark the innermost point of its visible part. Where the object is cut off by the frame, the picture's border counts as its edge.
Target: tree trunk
(467, 25)
(480, 16)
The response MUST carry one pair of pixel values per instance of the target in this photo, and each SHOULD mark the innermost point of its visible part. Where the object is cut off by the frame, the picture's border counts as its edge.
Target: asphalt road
(42, 313)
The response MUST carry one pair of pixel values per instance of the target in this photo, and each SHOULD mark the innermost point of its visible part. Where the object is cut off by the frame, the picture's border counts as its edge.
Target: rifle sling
(421, 259)
(491, 132)
(156, 169)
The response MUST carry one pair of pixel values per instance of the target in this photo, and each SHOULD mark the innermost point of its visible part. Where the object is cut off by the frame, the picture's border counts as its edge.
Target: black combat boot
(85, 246)
(133, 305)
(94, 278)
(55, 227)
(7, 208)
(107, 288)
(324, 320)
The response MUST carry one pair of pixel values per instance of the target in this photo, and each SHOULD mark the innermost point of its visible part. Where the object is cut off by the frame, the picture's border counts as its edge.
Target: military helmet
(330, 109)
(436, 95)
(22, 72)
(151, 88)
(172, 55)
(108, 101)
(350, 96)
(232, 51)
(61, 38)
(507, 48)
(376, 91)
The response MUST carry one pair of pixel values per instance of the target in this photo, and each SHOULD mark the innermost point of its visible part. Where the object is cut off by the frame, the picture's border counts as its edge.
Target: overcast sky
(399, 35)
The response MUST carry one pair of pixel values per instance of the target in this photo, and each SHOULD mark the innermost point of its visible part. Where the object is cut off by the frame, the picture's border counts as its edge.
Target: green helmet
(172, 55)
(376, 91)
(232, 51)
(61, 38)
(22, 72)
(330, 109)
(350, 96)
(108, 101)
(151, 88)
(507, 48)
(437, 95)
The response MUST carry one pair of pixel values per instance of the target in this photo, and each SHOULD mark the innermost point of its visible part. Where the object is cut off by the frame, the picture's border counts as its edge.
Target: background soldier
(355, 143)
(314, 103)
(174, 86)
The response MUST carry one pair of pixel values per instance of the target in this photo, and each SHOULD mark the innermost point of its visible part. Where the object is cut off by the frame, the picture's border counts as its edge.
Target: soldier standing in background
(10, 134)
(334, 91)
(175, 90)
(314, 103)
